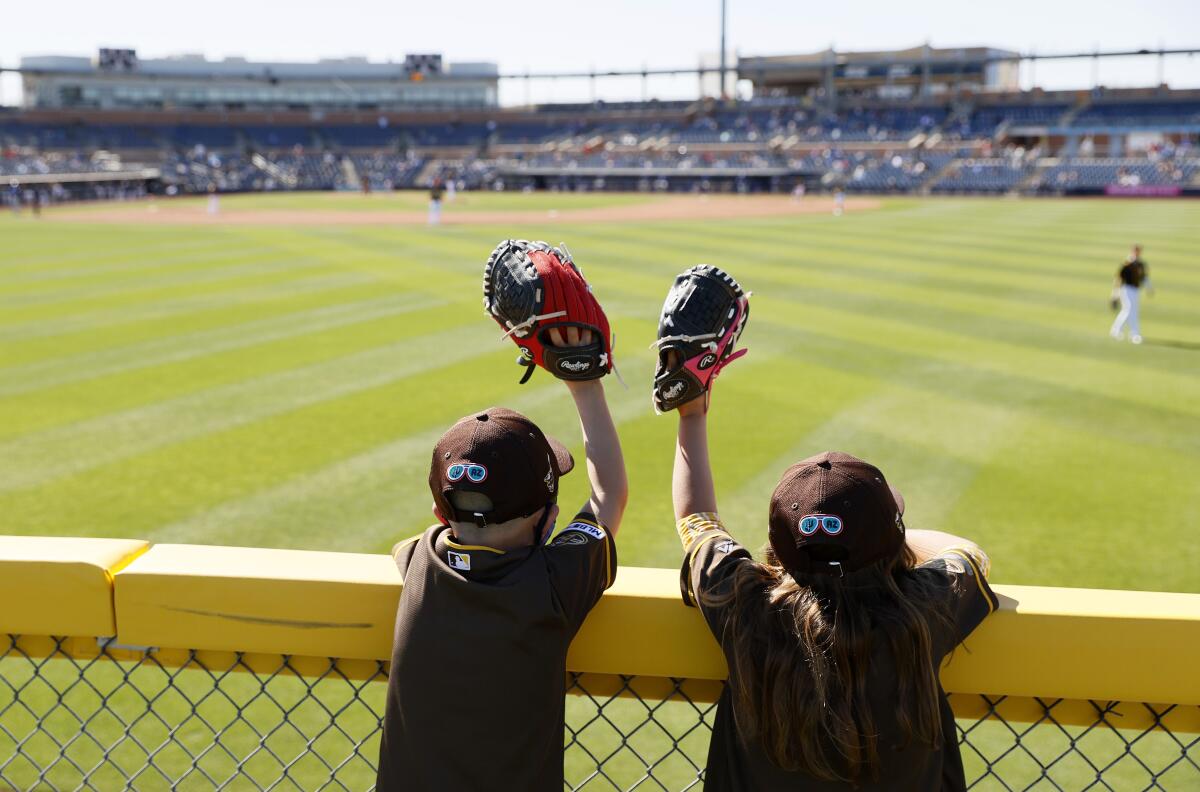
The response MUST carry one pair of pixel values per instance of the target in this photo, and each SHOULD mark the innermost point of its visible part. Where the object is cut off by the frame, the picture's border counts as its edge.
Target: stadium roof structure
(919, 54)
(197, 66)
(924, 69)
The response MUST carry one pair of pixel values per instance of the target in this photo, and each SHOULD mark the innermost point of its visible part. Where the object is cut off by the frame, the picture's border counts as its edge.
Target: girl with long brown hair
(834, 641)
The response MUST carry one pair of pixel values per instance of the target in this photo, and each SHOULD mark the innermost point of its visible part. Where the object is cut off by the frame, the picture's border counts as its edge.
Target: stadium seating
(993, 175)
(985, 120)
(1078, 173)
(1139, 115)
(384, 171)
(51, 163)
(861, 148)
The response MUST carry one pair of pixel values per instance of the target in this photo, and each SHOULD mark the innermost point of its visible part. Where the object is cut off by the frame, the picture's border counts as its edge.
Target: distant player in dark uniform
(1131, 278)
(436, 191)
(475, 697)
(834, 642)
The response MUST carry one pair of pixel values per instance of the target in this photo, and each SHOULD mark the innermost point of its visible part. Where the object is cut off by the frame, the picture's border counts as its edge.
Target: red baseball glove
(530, 289)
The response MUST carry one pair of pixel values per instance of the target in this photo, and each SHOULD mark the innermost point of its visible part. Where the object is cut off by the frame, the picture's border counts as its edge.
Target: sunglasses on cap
(829, 523)
(474, 473)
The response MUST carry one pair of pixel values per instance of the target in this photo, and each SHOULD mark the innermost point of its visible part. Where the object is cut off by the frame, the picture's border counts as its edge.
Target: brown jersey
(1133, 273)
(478, 680)
(710, 557)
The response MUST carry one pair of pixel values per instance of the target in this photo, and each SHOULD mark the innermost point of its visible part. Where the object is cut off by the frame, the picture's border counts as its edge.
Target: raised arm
(605, 463)
(692, 487)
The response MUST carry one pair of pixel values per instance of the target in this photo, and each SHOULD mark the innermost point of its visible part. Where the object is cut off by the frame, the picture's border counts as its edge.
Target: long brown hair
(800, 655)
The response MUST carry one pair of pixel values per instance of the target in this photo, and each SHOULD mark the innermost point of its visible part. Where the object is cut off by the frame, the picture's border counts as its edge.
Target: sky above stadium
(541, 35)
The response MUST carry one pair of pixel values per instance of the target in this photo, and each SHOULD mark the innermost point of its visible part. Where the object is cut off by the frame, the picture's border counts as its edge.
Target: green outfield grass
(282, 386)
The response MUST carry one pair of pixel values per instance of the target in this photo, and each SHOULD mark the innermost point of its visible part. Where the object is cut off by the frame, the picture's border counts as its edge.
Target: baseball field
(276, 375)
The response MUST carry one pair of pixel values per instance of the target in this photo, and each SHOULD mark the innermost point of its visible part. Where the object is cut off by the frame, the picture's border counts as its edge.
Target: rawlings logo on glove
(575, 366)
(537, 294)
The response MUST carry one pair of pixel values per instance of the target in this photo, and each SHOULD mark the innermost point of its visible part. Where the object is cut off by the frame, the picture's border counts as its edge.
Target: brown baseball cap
(834, 513)
(501, 455)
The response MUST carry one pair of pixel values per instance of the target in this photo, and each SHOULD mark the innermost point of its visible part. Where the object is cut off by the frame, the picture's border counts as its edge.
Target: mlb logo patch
(582, 527)
(460, 561)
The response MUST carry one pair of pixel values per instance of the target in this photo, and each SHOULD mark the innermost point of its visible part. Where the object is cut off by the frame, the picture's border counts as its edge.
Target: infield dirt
(676, 207)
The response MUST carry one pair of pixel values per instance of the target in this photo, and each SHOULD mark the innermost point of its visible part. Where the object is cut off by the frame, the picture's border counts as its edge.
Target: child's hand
(574, 337)
(698, 405)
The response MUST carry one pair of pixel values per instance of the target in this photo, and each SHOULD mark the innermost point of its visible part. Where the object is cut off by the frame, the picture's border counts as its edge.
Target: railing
(123, 665)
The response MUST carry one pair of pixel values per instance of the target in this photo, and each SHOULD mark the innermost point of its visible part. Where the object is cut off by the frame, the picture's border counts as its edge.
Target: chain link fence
(115, 718)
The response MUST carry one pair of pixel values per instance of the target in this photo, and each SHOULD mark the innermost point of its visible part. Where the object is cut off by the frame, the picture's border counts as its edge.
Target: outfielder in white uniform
(1132, 276)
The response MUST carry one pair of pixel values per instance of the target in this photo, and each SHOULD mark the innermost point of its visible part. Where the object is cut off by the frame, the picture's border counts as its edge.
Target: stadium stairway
(946, 171)
(425, 175)
(273, 170)
(1067, 118)
(1031, 182)
(350, 176)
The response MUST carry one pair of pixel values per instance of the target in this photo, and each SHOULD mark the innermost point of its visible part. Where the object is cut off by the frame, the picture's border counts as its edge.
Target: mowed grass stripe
(811, 310)
(924, 455)
(173, 349)
(264, 294)
(380, 487)
(449, 265)
(72, 403)
(66, 450)
(213, 269)
(250, 409)
(1159, 426)
(77, 249)
(145, 264)
(1099, 485)
(1140, 388)
(872, 314)
(217, 466)
(1096, 344)
(939, 268)
(386, 484)
(1036, 260)
(228, 279)
(816, 279)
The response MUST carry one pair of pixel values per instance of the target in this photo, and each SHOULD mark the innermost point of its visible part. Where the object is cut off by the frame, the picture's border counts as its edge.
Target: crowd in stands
(990, 174)
(29, 163)
(678, 159)
(769, 143)
(1076, 173)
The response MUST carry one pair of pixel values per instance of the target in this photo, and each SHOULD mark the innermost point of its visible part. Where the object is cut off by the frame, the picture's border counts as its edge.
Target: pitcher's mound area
(240, 210)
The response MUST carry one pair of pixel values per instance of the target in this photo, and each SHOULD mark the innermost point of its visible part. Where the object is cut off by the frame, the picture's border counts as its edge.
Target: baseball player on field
(1131, 278)
(490, 604)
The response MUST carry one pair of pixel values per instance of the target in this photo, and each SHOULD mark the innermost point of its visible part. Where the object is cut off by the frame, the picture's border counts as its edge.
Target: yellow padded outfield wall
(1043, 642)
(61, 585)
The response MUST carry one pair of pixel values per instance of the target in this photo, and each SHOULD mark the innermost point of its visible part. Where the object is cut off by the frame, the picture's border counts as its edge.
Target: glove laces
(516, 328)
(687, 339)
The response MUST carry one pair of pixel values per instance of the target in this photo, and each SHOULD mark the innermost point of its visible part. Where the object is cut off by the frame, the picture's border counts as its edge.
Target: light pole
(723, 94)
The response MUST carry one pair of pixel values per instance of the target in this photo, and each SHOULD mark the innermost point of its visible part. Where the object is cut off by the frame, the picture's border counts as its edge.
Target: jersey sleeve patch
(572, 538)
(694, 526)
(577, 527)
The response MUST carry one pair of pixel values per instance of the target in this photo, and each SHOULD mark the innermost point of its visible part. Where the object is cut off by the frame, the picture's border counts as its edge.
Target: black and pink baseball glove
(702, 319)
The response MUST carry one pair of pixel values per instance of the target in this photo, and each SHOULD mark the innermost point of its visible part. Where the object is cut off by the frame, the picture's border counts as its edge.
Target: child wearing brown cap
(834, 641)
(476, 691)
